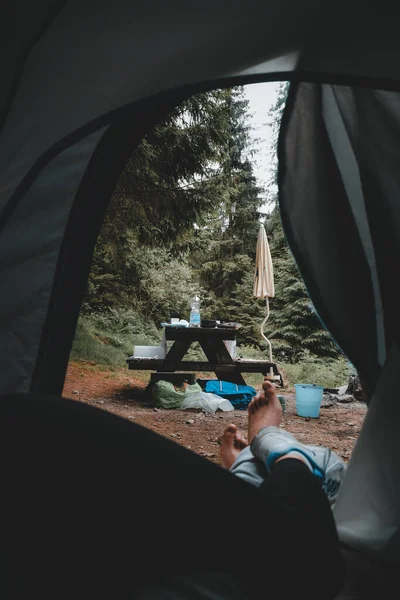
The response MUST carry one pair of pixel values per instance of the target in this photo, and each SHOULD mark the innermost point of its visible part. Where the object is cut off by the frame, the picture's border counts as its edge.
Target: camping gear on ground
(210, 403)
(149, 352)
(168, 395)
(264, 285)
(194, 319)
(308, 399)
(354, 388)
(333, 395)
(238, 395)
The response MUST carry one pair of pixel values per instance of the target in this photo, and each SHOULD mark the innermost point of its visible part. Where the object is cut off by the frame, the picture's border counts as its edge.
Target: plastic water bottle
(195, 312)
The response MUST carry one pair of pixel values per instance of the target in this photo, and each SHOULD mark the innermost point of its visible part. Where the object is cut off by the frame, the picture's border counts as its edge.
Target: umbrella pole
(271, 372)
(262, 328)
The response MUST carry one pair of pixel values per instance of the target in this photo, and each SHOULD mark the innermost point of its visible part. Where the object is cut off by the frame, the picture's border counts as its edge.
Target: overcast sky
(261, 97)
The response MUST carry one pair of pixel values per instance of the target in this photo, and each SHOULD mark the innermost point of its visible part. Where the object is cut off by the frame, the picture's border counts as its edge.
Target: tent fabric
(83, 82)
(28, 260)
(368, 509)
(339, 180)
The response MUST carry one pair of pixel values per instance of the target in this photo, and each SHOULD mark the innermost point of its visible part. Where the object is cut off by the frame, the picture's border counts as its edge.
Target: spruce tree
(230, 233)
(172, 179)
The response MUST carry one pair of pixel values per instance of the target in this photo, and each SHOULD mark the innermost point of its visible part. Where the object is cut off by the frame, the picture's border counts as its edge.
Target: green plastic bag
(167, 395)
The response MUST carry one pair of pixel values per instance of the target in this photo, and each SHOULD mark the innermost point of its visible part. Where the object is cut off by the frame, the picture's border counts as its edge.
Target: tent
(82, 82)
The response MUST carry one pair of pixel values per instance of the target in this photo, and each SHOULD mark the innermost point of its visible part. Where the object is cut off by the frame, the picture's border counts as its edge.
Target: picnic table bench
(219, 360)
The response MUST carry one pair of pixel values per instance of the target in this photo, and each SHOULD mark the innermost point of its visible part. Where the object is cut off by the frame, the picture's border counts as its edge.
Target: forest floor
(123, 393)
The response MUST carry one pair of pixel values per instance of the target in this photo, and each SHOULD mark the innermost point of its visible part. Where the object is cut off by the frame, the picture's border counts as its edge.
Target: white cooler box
(149, 352)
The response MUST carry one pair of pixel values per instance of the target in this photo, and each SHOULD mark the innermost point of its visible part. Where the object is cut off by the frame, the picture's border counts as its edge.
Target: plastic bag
(167, 395)
(207, 402)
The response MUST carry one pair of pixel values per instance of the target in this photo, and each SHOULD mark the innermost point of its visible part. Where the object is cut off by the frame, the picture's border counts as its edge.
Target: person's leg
(293, 484)
(237, 457)
(270, 444)
(236, 454)
(233, 443)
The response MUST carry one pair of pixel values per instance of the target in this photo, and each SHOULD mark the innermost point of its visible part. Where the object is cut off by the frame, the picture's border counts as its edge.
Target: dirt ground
(122, 392)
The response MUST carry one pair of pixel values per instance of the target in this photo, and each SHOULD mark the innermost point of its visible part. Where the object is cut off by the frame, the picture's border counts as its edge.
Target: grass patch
(109, 338)
(330, 373)
(87, 346)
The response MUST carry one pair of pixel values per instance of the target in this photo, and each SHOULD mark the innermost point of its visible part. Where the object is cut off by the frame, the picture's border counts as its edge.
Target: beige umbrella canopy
(264, 278)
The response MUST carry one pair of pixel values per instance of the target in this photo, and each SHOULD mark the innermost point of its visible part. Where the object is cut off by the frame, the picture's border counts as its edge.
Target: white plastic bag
(207, 402)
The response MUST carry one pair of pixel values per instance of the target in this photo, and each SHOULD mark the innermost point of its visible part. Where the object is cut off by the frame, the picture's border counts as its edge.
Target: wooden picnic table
(211, 341)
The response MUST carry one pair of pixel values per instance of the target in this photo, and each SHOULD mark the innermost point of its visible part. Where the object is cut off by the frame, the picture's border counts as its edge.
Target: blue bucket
(308, 399)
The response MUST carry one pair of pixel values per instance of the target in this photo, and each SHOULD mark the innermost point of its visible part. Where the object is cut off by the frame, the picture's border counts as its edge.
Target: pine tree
(229, 235)
(172, 179)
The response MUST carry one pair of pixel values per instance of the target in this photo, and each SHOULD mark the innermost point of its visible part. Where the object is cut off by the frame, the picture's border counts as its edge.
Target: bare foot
(232, 444)
(264, 410)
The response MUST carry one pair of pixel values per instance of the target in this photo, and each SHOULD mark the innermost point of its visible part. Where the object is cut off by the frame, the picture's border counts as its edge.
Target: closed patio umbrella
(264, 278)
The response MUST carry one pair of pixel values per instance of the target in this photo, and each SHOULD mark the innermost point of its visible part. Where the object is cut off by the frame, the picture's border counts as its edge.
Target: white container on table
(149, 352)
